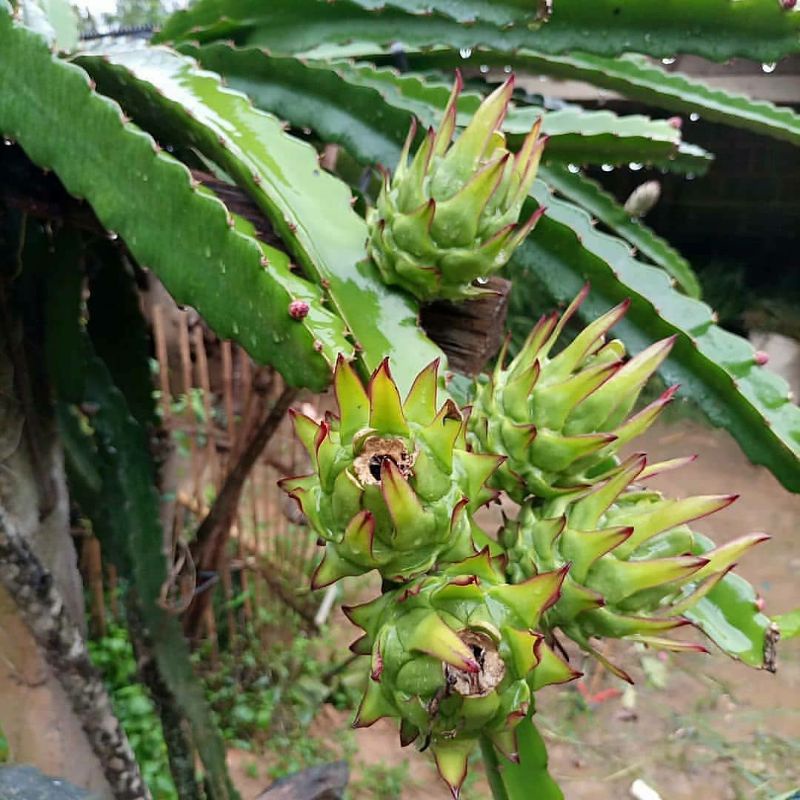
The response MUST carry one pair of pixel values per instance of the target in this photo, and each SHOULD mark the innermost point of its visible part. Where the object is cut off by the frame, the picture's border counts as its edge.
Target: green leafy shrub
(113, 655)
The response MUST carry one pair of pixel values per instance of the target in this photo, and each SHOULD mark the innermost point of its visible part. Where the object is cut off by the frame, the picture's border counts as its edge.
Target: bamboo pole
(212, 536)
(92, 568)
(163, 364)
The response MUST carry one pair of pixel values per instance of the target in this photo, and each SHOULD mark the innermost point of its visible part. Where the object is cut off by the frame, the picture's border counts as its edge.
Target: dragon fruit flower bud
(450, 216)
(457, 655)
(393, 485)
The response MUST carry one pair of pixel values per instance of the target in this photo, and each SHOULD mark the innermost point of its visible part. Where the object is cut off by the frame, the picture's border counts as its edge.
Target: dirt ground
(693, 726)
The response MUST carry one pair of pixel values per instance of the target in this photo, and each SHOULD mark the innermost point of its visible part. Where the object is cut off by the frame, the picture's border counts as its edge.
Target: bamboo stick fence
(212, 397)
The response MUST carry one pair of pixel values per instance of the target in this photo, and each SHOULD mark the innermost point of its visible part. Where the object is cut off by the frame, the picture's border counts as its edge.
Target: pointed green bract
(385, 408)
(551, 669)
(393, 486)
(420, 403)
(450, 217)
(432, 636)
(451, 761)
(351, 397)
(530, 598)
(305, 429)
(664, 515)
(373, 706)
(617, 580)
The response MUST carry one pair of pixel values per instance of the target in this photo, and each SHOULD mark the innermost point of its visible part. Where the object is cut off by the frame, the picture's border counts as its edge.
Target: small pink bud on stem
(298, 309)
(761, 358)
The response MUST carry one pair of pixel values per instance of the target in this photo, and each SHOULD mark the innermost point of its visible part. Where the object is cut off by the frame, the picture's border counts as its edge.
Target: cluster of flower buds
(456, 655)
(393, 486)
(560, 419)
(634, 565)
(465, 629)
(455, 648)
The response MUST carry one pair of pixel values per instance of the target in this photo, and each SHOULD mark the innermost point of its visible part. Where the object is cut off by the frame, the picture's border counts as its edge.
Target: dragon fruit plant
(634, 565)
(560, 418)
(467, 627)
(160, 146)
(455, 656)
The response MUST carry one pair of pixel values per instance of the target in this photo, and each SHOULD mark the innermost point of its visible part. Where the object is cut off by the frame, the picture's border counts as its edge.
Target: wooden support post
(92, 569)
(470, 333)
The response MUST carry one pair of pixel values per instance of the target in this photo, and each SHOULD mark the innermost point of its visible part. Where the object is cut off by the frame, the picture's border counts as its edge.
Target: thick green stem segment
(179, 747)
(117, 492)
(631, 75)
(130, 496)
(297, 91)
(574, 134)
(591, 196)
(491, 765)
(530, 779)
(115, 326)
(640, 79)
(716, 29)
(182, 233)
(309, 208)
(112, 477)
